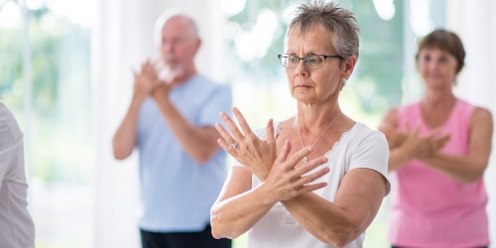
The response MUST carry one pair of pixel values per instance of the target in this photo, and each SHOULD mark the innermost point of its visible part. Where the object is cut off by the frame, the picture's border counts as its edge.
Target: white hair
(162, 19)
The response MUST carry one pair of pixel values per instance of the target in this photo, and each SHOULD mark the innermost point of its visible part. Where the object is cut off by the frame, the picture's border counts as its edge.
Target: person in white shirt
(318, 178)
(16, 225)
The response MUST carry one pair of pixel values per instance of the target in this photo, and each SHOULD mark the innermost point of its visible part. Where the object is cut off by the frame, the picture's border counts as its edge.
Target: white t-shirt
(360, 147)
(16, 225)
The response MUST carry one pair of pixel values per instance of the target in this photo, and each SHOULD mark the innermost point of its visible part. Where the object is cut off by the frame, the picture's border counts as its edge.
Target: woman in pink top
(439, 149)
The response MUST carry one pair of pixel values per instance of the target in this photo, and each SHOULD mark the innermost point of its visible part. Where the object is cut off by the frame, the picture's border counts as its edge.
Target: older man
(171, 121)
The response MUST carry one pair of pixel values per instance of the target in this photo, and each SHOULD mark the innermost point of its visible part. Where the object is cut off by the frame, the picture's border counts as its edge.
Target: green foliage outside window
(60, 113)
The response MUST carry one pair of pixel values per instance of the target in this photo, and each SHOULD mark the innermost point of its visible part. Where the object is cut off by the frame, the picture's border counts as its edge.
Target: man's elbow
(201, 158)
(204, 156)
(119, 153)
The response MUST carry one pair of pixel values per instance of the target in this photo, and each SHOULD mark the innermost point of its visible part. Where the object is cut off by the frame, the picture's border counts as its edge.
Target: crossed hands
(148, 80)
(413, 145)
(281, 176)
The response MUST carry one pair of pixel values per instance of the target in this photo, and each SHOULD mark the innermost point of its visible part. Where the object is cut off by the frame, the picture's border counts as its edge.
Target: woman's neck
(438, 100)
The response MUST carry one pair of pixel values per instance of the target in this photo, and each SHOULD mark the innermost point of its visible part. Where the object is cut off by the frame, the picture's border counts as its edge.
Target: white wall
(475, 22)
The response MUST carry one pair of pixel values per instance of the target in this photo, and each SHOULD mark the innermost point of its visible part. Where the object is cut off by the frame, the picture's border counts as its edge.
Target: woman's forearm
(463, 169)
(234, 216)
(397, 158)
(348, 215)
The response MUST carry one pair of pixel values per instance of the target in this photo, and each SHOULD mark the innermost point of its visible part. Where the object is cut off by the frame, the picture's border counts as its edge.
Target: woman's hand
(394, 137)
(256, 155)
(286, 180)
(416, 146)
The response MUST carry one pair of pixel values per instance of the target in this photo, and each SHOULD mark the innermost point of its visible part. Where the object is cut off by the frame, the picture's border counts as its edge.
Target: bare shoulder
(482, 116)
(482, 113)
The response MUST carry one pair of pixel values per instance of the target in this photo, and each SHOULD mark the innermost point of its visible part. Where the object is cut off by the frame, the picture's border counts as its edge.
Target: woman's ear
(349, 66)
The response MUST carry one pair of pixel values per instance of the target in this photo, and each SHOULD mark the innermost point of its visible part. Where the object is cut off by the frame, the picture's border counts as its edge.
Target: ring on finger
(233, 145)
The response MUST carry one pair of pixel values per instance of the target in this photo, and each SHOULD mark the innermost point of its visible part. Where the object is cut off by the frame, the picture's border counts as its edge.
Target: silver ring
(233, 145)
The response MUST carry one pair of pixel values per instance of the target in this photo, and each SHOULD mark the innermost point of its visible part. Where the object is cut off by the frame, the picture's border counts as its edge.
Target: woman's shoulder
(363, 132)
(482, 115)
(467, 104)
(476, 113)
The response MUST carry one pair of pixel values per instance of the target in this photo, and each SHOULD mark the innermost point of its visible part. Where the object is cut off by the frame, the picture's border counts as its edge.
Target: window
(45, 80)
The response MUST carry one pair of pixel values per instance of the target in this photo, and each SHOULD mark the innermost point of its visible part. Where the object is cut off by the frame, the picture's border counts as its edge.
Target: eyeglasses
(311, 61)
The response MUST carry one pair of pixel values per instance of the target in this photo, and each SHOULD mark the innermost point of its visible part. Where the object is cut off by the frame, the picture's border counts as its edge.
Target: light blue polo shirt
(177, 192)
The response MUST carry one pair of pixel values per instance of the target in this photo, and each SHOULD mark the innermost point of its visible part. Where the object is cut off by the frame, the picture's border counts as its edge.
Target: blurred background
(66, 73)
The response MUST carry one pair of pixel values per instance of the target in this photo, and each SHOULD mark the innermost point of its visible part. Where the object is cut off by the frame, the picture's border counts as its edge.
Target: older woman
(440, 148)
(318, 178)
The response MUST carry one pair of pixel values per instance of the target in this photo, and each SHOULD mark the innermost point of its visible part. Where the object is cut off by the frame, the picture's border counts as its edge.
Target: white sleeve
(372, 152)
(9, 143)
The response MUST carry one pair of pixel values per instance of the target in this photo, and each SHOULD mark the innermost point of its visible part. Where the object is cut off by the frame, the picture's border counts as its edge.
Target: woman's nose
(301, 69)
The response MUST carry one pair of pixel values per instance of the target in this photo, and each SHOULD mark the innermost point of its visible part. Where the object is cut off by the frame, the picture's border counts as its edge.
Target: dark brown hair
(446, 41)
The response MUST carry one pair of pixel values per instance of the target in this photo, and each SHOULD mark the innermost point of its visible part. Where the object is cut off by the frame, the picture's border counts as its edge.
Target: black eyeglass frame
(281, 55)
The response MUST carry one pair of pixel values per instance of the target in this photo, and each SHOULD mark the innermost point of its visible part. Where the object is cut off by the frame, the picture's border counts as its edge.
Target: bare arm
(240, 207)
(468, 168)
(356, 203)
(408, 145)
(200, 143)
(124, 138)
(346, 218)
(389, 127)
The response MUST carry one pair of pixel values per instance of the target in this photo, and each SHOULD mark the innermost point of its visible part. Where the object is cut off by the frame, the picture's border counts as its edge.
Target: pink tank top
(429, 209)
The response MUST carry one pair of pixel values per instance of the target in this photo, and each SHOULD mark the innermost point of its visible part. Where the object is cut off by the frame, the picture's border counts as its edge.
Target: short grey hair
(162, 19)
(331, 18)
